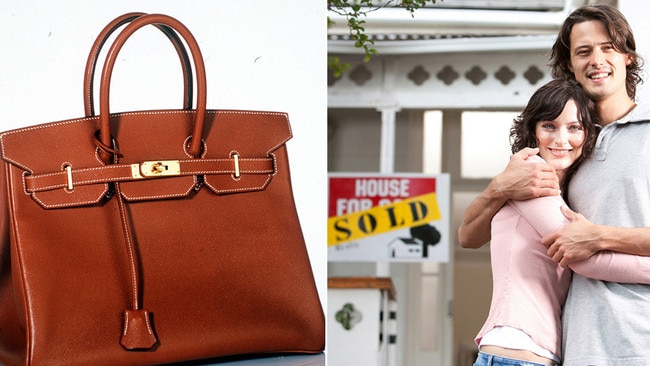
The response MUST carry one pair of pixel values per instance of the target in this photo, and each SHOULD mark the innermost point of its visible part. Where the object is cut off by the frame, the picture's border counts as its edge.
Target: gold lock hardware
(156, 168)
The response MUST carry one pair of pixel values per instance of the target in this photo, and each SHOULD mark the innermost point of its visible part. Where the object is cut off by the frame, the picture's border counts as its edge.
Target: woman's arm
(521, 180)
(581, 239)
(545, 216)
(615, 267)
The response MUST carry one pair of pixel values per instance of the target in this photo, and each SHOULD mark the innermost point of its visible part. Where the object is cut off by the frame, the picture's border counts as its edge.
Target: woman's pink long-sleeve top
(529, 289)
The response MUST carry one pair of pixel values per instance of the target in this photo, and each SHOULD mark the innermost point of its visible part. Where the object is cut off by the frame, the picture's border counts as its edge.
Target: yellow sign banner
(407, 213)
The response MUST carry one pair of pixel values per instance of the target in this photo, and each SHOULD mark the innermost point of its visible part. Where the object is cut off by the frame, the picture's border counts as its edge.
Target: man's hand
(522, 180)
(575, 242)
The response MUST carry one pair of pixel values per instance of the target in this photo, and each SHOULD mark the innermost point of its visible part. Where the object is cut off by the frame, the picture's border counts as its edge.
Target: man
(604, 323)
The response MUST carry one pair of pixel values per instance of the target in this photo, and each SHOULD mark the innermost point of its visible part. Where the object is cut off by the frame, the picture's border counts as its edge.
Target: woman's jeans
(486, 359)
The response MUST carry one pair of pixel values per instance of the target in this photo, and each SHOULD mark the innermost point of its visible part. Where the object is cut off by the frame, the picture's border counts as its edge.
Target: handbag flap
(61, 153)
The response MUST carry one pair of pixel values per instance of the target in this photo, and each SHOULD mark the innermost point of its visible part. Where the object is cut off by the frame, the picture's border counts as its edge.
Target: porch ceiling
(458, 26)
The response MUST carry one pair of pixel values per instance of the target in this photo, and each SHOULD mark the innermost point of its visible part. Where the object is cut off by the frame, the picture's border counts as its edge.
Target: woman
(529, 289)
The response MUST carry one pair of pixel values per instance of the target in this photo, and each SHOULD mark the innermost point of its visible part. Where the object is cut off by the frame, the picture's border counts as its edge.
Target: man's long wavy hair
(546, 104)
(620, 33)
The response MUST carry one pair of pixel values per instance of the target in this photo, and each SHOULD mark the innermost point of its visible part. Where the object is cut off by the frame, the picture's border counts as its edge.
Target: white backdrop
(259, 55)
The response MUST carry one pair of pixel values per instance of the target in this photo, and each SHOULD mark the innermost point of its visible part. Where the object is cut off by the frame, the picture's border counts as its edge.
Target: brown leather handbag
(152, 237)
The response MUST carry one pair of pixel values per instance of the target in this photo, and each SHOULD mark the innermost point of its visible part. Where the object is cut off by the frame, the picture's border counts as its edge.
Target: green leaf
(353, 10)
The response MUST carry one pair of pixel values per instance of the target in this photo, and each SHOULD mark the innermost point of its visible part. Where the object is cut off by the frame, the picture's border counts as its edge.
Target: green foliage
(334, 63)
(354, 11)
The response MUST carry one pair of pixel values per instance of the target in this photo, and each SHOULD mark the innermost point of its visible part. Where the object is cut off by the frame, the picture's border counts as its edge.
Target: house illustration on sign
(417, 246)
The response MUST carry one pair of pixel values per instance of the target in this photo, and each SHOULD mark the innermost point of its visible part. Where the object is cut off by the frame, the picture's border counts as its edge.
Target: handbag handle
(104, 90)
(91, 63)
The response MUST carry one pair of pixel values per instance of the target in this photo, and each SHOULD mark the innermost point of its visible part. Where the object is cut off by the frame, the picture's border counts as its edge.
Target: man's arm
(520, 180)
(581, 239)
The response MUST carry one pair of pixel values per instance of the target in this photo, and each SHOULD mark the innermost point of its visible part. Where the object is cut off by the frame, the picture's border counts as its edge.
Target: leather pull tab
(138, 333)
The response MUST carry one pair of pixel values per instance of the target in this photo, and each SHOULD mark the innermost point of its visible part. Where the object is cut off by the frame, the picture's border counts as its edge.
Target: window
(432, 158)
(485, 143)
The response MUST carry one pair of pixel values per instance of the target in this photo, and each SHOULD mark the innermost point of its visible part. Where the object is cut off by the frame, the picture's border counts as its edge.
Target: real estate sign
(388, 217)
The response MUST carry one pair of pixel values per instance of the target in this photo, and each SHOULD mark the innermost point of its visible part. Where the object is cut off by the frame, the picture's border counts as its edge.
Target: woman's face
(560, 141)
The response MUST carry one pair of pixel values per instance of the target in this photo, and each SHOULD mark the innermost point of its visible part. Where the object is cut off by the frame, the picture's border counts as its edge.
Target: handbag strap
(70, 178)
(138, 332)
(91, 63)
(195, 144)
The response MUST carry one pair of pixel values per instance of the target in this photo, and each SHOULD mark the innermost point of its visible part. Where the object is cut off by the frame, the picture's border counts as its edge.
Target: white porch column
(386, 162)
(387, 151)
